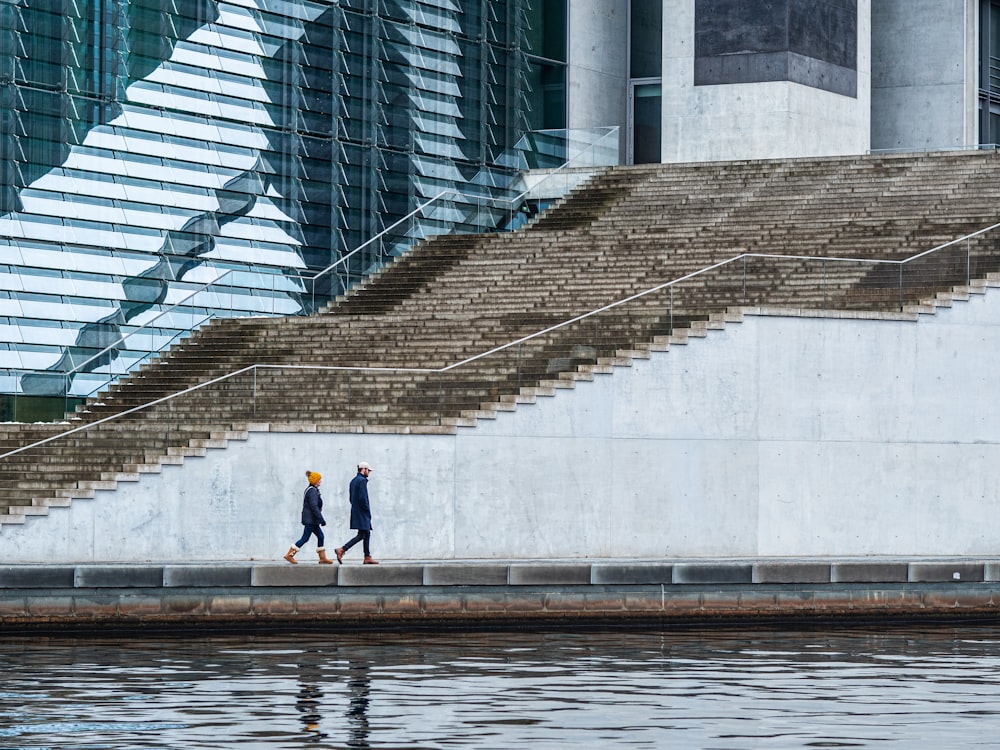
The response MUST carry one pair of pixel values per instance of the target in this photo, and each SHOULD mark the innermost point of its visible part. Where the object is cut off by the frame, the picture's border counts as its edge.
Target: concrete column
(757, 120)
(598, 64)
(924, 74)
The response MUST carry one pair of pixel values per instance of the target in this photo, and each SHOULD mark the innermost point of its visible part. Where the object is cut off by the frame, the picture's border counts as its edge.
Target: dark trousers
(307, 531)
(363, 536)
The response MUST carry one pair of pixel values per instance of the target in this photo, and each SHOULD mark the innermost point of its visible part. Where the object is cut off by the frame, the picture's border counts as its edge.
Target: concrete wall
(756, 120)
(924, 74)
(916, 87)
(777, 436)
(598, 64)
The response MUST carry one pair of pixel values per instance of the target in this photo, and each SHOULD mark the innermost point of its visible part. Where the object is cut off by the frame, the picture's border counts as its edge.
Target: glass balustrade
(506, 372)
(552, 351)
(167, 313)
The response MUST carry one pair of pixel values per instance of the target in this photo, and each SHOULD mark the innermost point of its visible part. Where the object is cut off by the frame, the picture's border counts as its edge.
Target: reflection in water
(907, 688)
(309, 699)
(358, 686)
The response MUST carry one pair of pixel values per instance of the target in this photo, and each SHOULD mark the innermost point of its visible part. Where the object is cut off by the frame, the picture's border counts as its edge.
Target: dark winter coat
(312, 507)
(361, 512)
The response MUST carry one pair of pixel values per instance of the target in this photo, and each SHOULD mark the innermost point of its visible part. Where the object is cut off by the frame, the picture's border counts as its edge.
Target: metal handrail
(307, 278)
(224, 275)
(934, 149)
(701, 271)
(508, 345)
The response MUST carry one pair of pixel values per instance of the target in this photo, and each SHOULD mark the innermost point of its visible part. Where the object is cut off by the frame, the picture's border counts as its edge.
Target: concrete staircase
(629, 229)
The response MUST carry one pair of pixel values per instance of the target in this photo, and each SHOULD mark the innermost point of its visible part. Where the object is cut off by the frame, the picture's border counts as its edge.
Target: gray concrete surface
(757, 120)
(565, 593)
(780, 436)
(924, 74)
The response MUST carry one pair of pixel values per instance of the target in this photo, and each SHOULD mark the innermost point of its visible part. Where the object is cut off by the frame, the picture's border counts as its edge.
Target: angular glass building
(152, 146)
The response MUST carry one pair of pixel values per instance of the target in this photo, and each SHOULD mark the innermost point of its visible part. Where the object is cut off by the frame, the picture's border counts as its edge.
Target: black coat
(312, 507)
(361, 512)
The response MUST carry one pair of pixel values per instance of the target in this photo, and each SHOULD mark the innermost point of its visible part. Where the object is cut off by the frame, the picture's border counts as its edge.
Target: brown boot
(290, 555)
(322, 556)
(339, 552)
(369, 560)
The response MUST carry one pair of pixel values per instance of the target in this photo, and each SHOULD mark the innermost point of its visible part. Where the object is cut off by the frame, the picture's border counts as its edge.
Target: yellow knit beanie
(314, 476)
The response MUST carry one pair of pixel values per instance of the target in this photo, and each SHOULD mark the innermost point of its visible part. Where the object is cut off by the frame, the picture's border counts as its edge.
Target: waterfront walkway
(495, 593)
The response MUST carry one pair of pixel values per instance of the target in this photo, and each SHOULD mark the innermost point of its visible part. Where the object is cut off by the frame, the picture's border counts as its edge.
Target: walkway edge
(495, 594)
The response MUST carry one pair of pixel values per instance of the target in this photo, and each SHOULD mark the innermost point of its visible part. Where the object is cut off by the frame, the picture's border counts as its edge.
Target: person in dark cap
(361, 515)
(312, 519)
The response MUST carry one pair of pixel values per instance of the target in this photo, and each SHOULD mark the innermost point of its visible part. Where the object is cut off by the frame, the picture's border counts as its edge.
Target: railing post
(350, 395)
(968, 261)
(901, 287)
(520, 365)
(440, 399)
(744, 280)
(672, 305)
(825, 283)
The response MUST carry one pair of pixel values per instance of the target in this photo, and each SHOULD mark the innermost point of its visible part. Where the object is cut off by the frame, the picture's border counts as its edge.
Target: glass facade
(546, 71)
(645, 39)
(989, 72)
(645, 80)
(151, 146)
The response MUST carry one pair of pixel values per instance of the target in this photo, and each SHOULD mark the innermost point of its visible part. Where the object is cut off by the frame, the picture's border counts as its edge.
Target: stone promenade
(497, 594)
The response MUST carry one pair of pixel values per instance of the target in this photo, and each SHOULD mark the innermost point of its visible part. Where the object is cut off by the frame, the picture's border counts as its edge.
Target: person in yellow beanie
(312, 519)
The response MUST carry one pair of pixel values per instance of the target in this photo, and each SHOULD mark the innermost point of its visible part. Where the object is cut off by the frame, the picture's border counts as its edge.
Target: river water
(713, 689)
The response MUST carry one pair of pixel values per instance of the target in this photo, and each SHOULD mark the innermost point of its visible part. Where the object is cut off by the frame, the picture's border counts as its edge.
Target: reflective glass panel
(146, 142)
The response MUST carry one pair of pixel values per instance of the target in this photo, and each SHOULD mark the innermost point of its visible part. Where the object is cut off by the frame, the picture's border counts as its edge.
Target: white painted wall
(777, 436)
(756, 120)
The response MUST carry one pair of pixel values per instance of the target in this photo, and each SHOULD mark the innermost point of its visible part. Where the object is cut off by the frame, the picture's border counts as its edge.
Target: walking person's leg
(321, 546)
(369, 560)
(340, 551)
(307, 531)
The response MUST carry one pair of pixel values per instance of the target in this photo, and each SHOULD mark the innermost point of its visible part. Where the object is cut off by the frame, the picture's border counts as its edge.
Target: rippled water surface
(907, 688)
